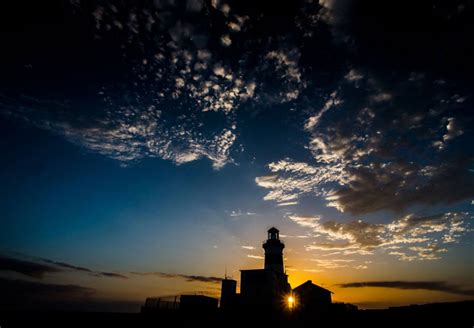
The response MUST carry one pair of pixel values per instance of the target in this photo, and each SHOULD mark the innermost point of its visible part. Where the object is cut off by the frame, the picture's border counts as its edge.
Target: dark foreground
(460, 314)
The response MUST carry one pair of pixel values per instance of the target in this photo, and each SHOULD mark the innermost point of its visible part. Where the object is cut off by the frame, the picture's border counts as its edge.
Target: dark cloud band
(189, 278)
(439, 286)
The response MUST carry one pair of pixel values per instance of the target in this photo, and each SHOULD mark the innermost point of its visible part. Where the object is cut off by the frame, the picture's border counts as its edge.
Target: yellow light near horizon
(291, 302)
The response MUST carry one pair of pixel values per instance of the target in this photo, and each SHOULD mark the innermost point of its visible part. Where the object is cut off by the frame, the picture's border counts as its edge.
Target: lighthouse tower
(274, 251)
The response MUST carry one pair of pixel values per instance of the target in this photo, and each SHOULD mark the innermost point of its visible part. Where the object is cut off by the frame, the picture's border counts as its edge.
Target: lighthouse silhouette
(274, 251)
(262, 289)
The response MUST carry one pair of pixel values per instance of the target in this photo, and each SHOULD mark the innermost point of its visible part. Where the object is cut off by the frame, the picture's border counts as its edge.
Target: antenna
(225, 274)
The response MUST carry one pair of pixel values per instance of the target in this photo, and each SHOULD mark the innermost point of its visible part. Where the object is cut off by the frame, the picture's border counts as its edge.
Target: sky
(147, 146)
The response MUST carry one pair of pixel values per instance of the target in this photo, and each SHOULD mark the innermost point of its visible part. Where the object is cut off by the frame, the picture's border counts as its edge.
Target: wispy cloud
(287, 204)
(189, 278)
(28, 268)
(356, 145)
(110, 275)
(38, 270)
(409, 238)
(66, 265)
(439, 286)
(257, 257)
(332, 263)
(239, 213)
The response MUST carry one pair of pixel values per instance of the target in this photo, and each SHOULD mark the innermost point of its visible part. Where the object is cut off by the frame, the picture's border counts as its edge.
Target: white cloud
(225, 40)
(287, 204)
(313, 121)
(452, 129)
(239, 213)
(422, 237)
(380, 150)
(354, 75)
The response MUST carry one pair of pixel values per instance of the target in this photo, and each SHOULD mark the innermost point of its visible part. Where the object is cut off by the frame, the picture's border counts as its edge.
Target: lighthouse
(274, 251)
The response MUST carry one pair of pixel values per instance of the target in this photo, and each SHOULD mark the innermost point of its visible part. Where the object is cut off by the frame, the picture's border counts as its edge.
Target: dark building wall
(311, 297)
(198, 303)
(228, 293)
(264, 288)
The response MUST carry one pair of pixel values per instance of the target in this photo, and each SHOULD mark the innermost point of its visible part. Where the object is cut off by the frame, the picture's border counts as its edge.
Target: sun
(291, 302)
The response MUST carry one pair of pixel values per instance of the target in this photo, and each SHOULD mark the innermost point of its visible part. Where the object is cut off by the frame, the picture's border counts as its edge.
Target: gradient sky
(146, 146)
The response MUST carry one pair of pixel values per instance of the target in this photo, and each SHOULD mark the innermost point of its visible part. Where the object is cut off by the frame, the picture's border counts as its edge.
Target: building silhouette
(268, 288)
(264, 289)
(312, 298)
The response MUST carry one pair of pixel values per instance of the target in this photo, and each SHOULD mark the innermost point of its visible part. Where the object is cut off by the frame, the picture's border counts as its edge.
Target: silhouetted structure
(312, 298)
(261, 290)
(266, 288)
(228, 293)
(155, 304)
(198, 303)
(274, 251)
(180, 302)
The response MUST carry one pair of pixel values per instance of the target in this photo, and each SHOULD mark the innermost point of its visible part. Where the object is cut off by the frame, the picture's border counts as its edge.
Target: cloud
(110, 275)
(238, 213)
(179, 95)
(412, 237)
(282, 65)
(166, 116)
(257, 257)
(83, 269)
(226, 40)
(439, 286)
(287, 204)
(132, 133)
(66, 265)
(31, 269)
(248, 247)
(332, 102)
(376, 147)
(189, 278)
(38, 270)
(323, 264)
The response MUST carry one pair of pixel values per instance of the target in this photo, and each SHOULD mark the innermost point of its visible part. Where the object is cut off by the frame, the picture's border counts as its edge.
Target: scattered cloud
(284, 66)
(248, 247)
(313, 270)
(181, 94)
(376, 147)
(323, 264)
(440, 286)
(225, 40)
(239, 213)
(409, 238)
